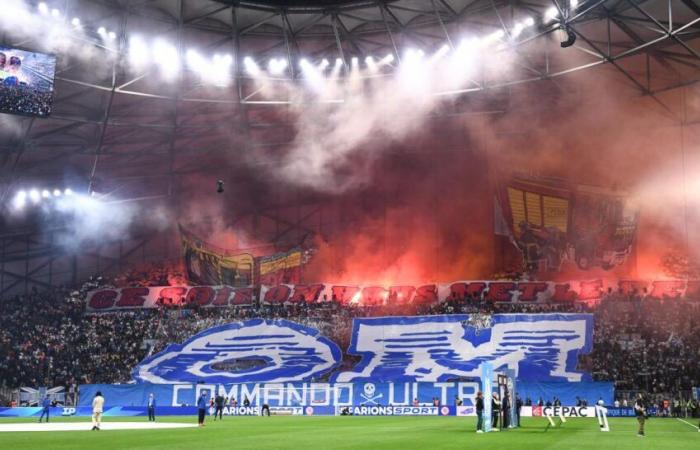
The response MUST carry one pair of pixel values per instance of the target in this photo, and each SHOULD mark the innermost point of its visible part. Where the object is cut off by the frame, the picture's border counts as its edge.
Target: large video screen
(26, 82)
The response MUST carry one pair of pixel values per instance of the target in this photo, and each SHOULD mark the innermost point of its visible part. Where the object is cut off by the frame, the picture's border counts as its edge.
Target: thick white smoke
(50, 33)
(343, 124)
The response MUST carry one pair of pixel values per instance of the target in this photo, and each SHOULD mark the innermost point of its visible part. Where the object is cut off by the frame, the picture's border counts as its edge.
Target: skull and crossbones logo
(369, 393)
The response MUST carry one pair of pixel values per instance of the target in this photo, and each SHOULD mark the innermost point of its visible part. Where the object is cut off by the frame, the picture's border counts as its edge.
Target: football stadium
(370, 224)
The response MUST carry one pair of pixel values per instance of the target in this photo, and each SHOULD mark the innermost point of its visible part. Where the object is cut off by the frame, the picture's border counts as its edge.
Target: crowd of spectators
(48, 339)
(25, 100)
(646, 343)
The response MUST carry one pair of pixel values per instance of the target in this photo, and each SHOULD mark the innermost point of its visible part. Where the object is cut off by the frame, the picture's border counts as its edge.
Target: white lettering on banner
(176, 391)
(68, 411)
(232, 393)
(336, 394)
(405, 400)
(338, 389)
(443, 391)
(395, 411)
(273, 392)
(252, 396)
(210, 389)
(294, 397)
(466, 390)
(492, 291)
(325, 390)
(242, 411)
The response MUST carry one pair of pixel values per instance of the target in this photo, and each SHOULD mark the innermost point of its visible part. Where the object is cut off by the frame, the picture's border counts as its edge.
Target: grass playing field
(311, 433)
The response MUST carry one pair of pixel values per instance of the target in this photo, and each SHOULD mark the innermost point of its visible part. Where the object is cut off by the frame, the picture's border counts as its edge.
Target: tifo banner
(316, 395)
(543, 347)
(426, 294)
(440, 348)
(284, 267)
(208, 265)
(254, 350)
(550, 222)
(168, 296)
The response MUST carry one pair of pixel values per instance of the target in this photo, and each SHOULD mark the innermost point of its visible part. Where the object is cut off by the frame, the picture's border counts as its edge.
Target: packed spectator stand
(47, 339)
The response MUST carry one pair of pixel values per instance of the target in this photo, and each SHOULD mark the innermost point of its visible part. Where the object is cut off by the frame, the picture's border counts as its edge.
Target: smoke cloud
(404, 179)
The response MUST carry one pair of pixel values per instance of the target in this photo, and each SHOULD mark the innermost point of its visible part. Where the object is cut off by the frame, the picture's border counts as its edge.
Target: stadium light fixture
(139, 54)
(277, 66)
(573, 4)
(102, 31)
(55, 13)
(167, 58)
(529, 22)
(517, 29)
(34, 196)
(551, 13)
(56, 192)
(45, 193)
(335, 72)
(324, 64)
(371, 65)
(388, 59)
(251, 67)
(68, 192)
(75, 22)
(112, 35)
(194, 60)
(20, 200)
(43, 9)
(219, 70)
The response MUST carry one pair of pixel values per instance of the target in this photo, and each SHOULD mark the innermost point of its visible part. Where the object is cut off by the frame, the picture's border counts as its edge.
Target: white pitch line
(87, 426)
(687, 423)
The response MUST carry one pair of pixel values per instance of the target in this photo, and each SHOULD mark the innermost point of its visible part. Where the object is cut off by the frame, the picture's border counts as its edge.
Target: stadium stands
(46, 339)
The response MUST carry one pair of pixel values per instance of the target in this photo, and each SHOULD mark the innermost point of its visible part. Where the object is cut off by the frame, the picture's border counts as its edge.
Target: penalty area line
(687, 423)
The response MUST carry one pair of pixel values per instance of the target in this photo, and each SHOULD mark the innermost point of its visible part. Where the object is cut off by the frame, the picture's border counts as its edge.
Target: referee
(641, 412)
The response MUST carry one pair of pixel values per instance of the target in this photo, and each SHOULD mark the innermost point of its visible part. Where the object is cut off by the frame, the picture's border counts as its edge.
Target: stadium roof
(117, 129)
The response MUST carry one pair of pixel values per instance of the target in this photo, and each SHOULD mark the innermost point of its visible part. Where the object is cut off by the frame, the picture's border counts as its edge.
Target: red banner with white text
(589, 291)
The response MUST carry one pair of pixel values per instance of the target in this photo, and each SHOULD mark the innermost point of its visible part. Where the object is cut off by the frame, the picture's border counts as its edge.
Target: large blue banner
(332, 394)
(269, 351)
(537, 347)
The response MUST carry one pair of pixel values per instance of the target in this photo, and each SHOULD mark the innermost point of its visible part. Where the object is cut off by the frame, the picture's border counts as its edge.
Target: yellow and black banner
(208, 265)
(281, 268)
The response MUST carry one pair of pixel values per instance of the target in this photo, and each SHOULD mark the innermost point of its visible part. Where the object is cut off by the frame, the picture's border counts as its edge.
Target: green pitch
(311, 433)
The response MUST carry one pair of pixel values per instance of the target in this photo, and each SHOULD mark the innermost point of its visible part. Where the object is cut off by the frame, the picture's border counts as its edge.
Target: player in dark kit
(219, 402)
(640, 411)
